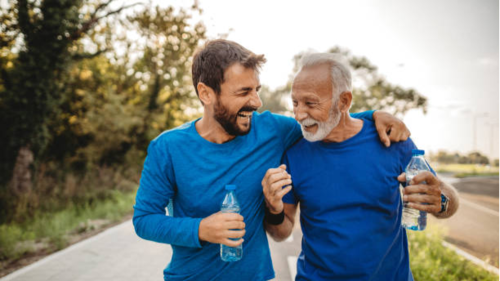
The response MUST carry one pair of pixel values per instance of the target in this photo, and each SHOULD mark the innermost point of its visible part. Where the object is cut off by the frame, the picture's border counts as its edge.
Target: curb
(472, 258)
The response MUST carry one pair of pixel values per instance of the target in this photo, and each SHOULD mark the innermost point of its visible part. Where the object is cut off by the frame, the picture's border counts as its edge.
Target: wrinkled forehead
(311, 81)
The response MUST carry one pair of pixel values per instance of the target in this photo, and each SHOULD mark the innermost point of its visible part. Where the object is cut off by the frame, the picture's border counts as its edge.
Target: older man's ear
(345, 100)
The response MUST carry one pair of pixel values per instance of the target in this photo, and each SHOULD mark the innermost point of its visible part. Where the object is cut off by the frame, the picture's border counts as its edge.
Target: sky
(446, 50)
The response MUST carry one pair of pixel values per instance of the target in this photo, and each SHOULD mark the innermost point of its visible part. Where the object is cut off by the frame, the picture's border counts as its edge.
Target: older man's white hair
(339, 72)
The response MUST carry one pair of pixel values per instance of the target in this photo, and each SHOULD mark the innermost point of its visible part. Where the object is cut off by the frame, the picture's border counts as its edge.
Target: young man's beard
(228, 121)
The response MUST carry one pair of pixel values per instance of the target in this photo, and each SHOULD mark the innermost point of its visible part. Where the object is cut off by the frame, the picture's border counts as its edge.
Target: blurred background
(86, 84)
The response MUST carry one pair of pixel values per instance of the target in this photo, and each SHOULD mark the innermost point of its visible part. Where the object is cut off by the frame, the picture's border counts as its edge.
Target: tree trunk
(21, 176)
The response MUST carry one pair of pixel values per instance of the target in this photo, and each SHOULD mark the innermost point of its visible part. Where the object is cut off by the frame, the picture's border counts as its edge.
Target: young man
(230, 144)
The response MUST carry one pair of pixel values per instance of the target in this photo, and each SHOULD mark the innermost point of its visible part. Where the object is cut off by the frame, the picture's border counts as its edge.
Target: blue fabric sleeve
(155, 189)
(368, 115)
(288, 129)
(290, 197)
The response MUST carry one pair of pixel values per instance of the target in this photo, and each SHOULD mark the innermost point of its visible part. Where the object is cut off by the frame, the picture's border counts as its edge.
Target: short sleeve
(288, 129)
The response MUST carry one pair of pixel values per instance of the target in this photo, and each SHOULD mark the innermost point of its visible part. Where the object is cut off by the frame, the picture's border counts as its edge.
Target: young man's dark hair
(210, 62)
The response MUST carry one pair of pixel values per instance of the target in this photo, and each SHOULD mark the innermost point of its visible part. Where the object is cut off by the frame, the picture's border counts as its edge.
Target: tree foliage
(370, 89)
(85, 87)
(445, 157)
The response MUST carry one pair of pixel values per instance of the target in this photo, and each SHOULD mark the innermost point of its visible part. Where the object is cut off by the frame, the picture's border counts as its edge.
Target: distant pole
(492, 126)
(474, 125)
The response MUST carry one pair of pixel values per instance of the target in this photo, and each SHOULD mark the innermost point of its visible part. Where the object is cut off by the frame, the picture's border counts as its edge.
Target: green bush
(55, 227)
(430, 260)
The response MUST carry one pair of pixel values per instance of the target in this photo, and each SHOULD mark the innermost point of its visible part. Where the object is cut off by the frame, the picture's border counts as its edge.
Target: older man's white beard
(324, 128)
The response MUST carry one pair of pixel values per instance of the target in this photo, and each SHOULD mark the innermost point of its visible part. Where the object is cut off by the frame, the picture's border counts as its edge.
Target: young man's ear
(205, 93)
(345, 101)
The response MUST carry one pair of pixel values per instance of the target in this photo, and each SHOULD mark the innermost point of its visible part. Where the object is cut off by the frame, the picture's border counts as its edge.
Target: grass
(430, 260)
(465, 175)
(465, 170)
(53, 230)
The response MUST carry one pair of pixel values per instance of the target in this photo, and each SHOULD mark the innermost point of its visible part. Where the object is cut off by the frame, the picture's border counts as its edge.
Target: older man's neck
(347, 128)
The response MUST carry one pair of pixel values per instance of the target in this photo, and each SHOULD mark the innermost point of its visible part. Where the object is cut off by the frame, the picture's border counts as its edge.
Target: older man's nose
(299, 114)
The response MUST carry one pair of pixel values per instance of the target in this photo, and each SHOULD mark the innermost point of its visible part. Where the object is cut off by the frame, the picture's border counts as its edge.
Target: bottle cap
(417, 152)
(230, 187)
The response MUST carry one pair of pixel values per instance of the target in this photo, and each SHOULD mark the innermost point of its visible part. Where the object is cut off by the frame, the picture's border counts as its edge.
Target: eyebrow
(246, 89)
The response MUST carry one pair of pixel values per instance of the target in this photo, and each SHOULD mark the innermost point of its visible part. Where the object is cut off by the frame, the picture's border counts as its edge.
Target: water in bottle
(230, 205)
(415, 219)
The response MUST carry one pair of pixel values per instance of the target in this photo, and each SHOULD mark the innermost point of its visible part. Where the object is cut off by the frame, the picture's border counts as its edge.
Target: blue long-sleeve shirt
(191, 172)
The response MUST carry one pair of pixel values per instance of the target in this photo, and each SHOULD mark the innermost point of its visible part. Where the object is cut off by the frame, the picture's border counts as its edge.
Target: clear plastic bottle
(415, 219)
(231, 205)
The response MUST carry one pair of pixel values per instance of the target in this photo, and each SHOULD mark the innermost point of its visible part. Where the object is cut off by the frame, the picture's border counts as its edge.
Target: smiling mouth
(245, 114)
(309, 127)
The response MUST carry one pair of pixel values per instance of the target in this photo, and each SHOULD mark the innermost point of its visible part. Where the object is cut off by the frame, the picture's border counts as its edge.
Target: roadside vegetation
(52, 231)
(464, 165)
(430, 260)
(466, 170)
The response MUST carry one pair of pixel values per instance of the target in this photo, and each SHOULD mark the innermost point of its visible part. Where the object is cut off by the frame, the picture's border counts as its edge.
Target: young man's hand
(272, 186)
(390, 129)
(219, 227)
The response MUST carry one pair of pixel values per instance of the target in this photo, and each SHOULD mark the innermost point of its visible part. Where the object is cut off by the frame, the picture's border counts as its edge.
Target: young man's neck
(212, 131)
(347, 128)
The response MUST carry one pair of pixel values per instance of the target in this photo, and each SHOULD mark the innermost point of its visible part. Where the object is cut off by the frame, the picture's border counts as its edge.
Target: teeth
(245, 115)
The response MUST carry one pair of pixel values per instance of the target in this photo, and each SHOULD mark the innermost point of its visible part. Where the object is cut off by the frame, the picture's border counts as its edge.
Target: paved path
(474, 228)
(115, 254)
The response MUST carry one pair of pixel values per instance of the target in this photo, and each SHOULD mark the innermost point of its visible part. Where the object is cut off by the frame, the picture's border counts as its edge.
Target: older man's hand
(390, 129)
(272, 186)
(419, 192)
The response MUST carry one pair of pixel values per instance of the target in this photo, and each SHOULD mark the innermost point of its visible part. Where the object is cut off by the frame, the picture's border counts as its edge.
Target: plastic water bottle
(415, 219)
(231, 205)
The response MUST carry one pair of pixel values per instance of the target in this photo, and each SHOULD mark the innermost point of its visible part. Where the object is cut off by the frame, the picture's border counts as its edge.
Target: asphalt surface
(474, 228)
(118, 254)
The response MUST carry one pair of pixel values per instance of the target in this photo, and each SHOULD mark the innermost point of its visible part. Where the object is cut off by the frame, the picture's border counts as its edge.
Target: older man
(191, 164)
(347, 185)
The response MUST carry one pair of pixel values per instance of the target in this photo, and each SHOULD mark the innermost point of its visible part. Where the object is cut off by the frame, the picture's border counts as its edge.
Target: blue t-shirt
(350, 207)
(191, 172)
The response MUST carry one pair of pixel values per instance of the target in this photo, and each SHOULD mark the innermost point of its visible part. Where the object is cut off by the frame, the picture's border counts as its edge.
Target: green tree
(81, 92)
(275, 101)
(117, 102)
(372, 90)
(44, 32)
(108, 114)
(478, 158)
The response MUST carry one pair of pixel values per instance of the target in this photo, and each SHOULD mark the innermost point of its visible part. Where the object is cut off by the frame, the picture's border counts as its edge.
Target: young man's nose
(255, 100)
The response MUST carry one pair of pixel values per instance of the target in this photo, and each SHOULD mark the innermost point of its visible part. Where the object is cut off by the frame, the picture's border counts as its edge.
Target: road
(474, 228)
(118, 254)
